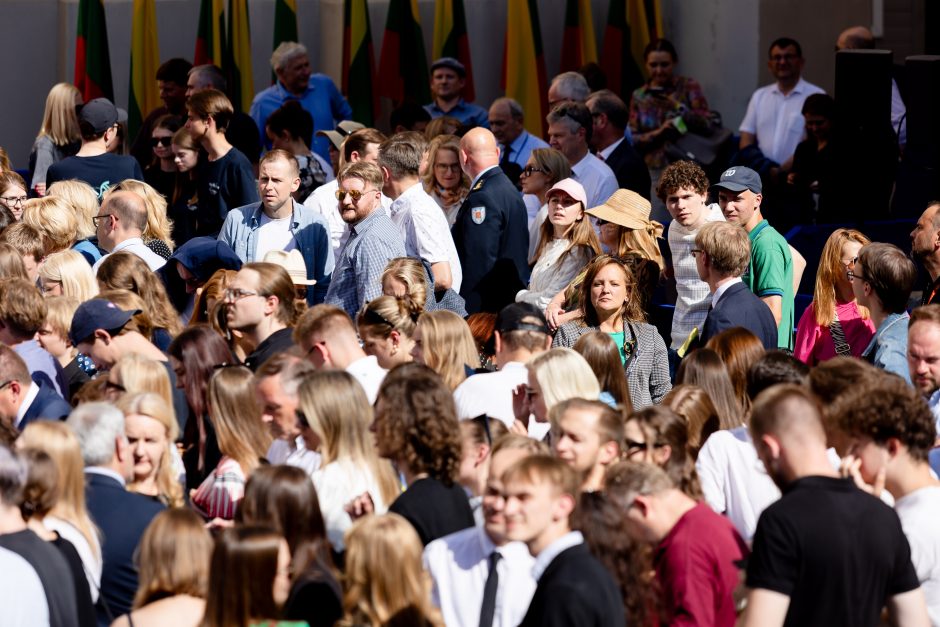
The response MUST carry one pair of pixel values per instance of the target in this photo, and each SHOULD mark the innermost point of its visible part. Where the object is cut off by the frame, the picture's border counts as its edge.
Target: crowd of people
(278, 368)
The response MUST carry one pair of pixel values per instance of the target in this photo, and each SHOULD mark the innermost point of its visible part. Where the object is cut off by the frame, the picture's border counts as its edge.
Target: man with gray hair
(241, 132)
(276, 384)
(121, 516)
(120, 225)
(31, 560)
(507, 121)
(316, 92)
(570, 86)
(570, 129)
(422, 224)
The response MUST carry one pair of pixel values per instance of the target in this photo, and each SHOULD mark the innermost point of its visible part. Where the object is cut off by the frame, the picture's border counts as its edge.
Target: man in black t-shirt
(826, 553)
(98, 122)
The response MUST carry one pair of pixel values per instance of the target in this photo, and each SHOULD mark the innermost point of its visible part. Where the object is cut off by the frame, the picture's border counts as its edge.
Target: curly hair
(416, 418)
(682, 175)
(887, 407)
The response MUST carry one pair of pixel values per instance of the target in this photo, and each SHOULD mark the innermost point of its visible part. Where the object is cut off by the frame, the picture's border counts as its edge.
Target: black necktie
(488, 611)
(505, 158)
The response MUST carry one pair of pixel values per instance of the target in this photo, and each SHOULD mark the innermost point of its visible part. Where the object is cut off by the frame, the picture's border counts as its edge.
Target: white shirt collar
(403, 199)
(799, 88)
(724, 288)
(605, 153)
(132, 241)
(549, 553)
(31, 395)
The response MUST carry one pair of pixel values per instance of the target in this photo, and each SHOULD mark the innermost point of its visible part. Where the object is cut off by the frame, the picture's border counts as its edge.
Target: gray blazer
(648, 375)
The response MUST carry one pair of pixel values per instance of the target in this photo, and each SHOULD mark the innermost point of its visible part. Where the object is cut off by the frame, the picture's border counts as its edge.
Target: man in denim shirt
(280, 223)
(882, 281)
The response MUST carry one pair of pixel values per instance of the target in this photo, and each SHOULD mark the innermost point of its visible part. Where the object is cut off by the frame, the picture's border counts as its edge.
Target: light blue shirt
(467, 112)
(241, 232)
(520, 149)
(888, 349)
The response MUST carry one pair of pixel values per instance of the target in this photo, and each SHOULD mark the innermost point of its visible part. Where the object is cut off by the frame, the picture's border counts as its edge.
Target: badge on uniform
(478, 214)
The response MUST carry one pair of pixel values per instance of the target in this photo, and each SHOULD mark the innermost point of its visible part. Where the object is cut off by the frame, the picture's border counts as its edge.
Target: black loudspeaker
(864, 144)
(919, 174)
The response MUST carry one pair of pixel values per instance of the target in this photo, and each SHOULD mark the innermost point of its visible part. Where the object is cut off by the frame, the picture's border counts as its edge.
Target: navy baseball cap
(451, 64)
(95, 314)
(100, 114)
(738, 178)
(518, 317)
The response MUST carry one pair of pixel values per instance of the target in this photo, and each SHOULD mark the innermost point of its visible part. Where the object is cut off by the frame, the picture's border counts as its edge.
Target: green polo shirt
(771, 274)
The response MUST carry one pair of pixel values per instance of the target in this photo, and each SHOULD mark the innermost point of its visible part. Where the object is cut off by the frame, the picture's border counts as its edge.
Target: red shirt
(695, 566)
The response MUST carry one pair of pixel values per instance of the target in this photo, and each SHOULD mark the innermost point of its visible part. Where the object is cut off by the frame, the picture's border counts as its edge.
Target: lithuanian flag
(238, 68)
(450, 39)
(359, 62)
(403, 69)
(524, 65)
(578, 45)
(285, 24)
(92, 61)
(210, 36)
(631, 25)
(145, 55)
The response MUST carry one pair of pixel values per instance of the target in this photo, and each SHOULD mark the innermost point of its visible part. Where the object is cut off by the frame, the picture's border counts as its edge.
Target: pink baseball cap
(573, 189)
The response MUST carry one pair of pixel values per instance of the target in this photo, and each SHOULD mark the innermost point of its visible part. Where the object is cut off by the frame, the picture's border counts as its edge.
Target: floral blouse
(649, 109)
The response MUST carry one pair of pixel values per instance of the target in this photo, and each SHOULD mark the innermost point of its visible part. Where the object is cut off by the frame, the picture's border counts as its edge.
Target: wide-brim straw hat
(343, 130)
(625, 208)
(293, 262)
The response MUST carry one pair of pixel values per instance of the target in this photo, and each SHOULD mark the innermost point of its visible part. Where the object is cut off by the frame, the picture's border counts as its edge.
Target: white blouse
(552, 272)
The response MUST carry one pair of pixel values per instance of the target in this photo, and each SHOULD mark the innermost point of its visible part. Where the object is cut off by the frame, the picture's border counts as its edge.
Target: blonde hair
(159, 226)
(54, 219)
(236, 415)
(174, 556)
(59, 313)
(409, 271)
(70, 268)
(58, 441)
(643, 243)
(339, 413)
(444, 142)
(127, 271)
(384, 574)
(830, 267)
(84, 202)
(11, 263)
(139, 374)
(59, 121)
(563, 373)
(382, 315)
(448, 346)
(154, 405)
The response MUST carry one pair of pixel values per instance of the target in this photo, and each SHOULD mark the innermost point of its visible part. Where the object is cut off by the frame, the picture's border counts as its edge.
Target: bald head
(478, 151)
(856, 38)
(129, 207)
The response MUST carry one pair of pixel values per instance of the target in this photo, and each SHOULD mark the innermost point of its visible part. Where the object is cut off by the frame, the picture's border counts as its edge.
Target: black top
(837, 552)
(277, 342)
(224, 184)
(492, 238)
(53, 572)
(574, 591)
(630, 169)
(163, 182)
(86, 607)
(433, 509)
(315, 598)
(102, 172)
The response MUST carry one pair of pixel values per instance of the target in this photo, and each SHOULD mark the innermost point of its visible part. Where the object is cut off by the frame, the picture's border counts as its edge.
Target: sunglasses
(529, 170)
(355, 194)
(161, 141)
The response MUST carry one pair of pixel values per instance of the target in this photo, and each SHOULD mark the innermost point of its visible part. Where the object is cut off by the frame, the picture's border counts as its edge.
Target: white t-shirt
(369, 374)
(338, 483)
(919, 512)
(490, 393)
(777, 119)
(274, 235)
(22, 595)
(425, 230)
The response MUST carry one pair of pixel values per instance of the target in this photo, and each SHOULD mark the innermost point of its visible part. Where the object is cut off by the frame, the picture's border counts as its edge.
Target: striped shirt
(222, 491)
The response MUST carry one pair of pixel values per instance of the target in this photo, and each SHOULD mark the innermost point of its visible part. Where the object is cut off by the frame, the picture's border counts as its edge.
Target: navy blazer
(47, 405)
(492, 240)
(630, 169)
(739, 307)
(575, 591)
(122, 517)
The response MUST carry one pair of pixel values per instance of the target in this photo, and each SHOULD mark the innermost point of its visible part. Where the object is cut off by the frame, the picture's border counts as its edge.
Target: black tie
(505, 160)
(488, 611)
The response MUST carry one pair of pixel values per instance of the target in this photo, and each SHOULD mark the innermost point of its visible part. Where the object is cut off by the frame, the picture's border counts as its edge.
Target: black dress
(86, 609)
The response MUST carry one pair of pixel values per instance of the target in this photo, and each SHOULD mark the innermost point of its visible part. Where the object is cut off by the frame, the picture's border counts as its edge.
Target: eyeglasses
(852, 275)
(95, 219)
(529, 170)
(695, 251)
(233, 294)
(161, 141)
(447, 167)
(14, 200)
(355, 194)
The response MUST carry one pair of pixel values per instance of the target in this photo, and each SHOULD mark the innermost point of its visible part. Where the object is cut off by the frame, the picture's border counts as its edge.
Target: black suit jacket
(122, 517)
(739, 307)
(575, 591)
(46, 406)
(630, 169)
(492, 240)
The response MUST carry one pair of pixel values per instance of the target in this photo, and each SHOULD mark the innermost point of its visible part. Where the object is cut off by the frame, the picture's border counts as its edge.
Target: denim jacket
(888, 349)
(240, 231)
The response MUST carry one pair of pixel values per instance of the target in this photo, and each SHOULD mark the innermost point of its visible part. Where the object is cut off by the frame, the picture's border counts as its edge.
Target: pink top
(814, 343)
(222, 491)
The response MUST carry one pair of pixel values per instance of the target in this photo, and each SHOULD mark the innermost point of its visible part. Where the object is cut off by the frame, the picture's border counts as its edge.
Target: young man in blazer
(722, 253)
(573, 588)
